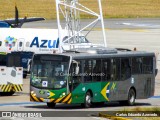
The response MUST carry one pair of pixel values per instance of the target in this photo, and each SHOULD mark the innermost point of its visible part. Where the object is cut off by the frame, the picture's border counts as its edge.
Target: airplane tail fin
(16, 16)
(18, 22)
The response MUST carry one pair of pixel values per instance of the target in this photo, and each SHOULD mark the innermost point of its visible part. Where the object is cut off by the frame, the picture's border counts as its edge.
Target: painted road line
(20, 103)
(136, 30)
(141, 25)
(155, 97)
(42, 103)
(124, 29)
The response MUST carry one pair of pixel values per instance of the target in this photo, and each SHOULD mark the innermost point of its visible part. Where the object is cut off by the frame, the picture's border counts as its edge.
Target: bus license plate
(46, 100)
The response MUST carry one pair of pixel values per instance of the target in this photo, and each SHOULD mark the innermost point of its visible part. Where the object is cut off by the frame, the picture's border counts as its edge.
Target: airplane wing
(12, 21)
(19, 22)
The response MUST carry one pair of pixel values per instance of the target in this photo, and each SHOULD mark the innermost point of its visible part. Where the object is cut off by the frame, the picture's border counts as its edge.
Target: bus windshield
(50, 73)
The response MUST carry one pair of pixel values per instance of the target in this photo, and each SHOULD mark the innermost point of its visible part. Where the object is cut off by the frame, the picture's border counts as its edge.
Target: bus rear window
(147, 65)
(136, 65)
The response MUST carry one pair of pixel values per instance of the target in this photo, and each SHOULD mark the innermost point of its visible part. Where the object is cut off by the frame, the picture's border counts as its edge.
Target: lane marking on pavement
(20, 103)
(124, 29)
(141, 25)
(37, 103)
(135, 30)
(100, 118)
(155, 97)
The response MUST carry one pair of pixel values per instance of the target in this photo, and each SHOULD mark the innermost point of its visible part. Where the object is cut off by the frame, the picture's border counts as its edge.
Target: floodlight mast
(70, 9)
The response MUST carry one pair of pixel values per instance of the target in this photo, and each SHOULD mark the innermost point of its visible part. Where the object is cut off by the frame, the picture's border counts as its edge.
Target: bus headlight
(32, 92)
(64, 94)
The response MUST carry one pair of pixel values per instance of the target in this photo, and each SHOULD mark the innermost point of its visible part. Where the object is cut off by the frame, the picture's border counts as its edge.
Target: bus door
(20, 44)
(74, 77)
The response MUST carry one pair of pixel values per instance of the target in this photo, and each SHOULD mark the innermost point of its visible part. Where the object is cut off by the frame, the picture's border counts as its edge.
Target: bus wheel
(51, 105)
(98, 103)
(24, 75)
(131, 97)
(87, 101)
(123, 102)
(10, 93)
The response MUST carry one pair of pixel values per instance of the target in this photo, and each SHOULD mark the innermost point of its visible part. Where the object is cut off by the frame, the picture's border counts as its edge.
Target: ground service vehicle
(11, 79)
(89, 76)
(20, 59)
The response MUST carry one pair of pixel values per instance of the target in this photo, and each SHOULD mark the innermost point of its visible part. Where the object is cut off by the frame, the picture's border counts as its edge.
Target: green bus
(90, 76)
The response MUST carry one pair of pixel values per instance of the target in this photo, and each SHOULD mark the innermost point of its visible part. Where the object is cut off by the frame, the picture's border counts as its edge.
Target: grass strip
(111, 8)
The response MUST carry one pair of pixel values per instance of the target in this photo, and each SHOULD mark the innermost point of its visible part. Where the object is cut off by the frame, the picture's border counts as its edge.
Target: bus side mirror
(77, 67)
(29, 65)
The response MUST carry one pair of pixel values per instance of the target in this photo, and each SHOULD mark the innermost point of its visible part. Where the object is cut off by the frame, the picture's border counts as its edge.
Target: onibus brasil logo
(10, 42)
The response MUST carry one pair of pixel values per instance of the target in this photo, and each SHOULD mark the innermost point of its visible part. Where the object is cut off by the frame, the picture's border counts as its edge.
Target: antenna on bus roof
(70, 10)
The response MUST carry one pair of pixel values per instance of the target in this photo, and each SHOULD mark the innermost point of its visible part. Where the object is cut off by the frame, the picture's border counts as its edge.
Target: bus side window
(147, 66)
(96, 73)
(125, 69)
(106, 70)
(87, 70)
(136, 65)
(115, 69)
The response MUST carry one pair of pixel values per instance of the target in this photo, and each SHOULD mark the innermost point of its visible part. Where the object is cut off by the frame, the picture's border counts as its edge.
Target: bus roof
(118, 54)
(103, 53)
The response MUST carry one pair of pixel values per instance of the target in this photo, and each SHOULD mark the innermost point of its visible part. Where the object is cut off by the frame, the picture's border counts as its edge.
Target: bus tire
(123, 102)
(51, 105)
(10, 93)
(98, 103)
(24, 75)
(87, 100)
(131, 97)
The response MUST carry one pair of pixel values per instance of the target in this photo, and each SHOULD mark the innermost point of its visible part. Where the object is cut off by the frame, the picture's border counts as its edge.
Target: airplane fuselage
(34, 40)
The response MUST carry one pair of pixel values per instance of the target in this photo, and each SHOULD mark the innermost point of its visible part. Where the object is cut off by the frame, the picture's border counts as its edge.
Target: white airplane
(37, 40)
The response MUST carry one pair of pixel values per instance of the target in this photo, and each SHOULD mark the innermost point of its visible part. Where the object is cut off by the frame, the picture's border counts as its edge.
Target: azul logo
(10, 42)
(45, 43)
